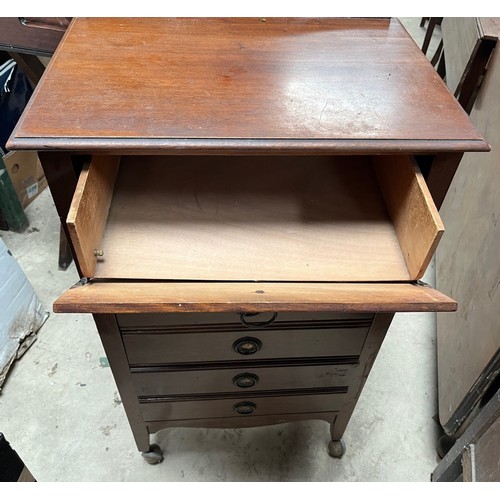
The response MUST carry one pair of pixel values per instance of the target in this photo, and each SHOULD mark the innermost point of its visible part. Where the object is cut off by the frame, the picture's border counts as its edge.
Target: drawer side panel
(88, 213)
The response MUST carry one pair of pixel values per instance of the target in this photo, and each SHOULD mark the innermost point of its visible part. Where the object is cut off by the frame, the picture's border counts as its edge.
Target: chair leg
(428, 34)
(433, 22)
(437, 55)
(441, 67)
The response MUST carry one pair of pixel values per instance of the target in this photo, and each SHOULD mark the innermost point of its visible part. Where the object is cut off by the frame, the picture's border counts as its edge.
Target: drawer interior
(227, 218)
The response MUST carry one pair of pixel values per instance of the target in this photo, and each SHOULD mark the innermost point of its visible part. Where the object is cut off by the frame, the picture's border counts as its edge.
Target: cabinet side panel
(113, 346)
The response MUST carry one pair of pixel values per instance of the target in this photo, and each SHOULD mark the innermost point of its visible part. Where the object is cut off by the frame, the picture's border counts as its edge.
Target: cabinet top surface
(198, 83)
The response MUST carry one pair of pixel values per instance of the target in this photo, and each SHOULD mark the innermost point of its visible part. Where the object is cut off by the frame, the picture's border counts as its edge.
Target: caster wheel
(154, 455)
(336, 449)
(444, 445)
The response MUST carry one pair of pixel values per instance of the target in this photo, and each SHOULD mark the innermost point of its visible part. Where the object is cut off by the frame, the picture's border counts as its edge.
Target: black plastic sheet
(15, 92)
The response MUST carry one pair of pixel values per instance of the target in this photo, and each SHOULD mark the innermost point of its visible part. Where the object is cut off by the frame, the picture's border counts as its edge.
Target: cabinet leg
(154, 455)
(65, 255)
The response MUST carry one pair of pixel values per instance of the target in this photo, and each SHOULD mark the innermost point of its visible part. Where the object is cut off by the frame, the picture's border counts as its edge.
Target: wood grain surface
(158, 297)
(416, 220)
(201, 79)
(88, 212)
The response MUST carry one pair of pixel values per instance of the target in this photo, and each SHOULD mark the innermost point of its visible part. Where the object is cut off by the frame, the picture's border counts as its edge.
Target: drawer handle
(245, 380)
(244, 408)
(247, 345)
(261, 324)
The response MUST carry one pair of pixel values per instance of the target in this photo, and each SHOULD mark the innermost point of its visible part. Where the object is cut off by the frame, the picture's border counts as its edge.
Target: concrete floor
(61, 411)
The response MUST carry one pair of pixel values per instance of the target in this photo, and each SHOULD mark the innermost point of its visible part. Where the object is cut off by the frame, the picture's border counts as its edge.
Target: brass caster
(336, 449)
(154, 455)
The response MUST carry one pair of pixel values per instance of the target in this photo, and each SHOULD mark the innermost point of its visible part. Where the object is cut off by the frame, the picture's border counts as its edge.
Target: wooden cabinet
(258, 198)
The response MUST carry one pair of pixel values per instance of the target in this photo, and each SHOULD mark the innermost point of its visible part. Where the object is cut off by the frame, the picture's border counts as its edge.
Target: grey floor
(61, 411)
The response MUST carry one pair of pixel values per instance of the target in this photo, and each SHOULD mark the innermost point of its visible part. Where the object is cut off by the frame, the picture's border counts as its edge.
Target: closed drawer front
(160, 348)
(204, 320)
(240, 407)
(239, 380)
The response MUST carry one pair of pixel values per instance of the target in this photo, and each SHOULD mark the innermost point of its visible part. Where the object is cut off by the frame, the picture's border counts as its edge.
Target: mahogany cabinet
(258, 198)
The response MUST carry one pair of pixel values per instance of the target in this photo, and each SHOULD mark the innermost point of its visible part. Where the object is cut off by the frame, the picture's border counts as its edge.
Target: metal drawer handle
(245, 380)
(261, 324)
(244, 408)
(247, 345)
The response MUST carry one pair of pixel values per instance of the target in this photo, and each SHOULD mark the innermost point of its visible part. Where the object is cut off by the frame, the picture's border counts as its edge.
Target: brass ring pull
(245, 380)
(261, 324)
(247, 345)
(245, 407)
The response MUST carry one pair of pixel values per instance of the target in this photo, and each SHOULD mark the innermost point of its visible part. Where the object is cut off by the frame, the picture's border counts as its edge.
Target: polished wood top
(242, 84)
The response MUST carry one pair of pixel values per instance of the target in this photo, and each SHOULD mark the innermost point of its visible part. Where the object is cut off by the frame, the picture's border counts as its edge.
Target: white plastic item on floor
(21, 312)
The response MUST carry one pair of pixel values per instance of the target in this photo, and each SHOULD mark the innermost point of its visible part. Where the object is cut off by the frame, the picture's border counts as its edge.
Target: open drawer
(271, 219)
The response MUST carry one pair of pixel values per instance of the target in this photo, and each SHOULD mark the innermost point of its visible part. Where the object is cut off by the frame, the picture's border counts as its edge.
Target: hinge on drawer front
(83, 281)
(422, 283)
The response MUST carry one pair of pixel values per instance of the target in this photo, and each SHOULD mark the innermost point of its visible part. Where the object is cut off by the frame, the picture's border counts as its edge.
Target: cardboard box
(26, 174)
(22, 313)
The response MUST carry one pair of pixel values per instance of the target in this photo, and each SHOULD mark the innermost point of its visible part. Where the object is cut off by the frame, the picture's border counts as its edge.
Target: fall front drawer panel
(244, 407)
(239, 379)
(206, 347)
(237, 321)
